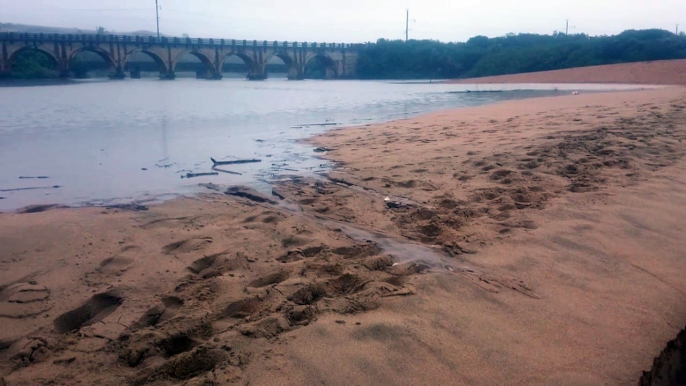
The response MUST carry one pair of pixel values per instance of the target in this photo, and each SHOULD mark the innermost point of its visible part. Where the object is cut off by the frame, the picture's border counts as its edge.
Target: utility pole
(567, 28)
(157, 15)
(407, 25)
(677, 30)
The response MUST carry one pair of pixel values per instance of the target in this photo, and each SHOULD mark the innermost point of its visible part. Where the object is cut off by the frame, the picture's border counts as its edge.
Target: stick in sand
(33, 188)
(193, 175)
(238, 161)
(226, 171)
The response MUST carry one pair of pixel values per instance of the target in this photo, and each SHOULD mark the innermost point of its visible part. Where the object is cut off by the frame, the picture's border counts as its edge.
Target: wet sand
(660, 72)
(527, 242)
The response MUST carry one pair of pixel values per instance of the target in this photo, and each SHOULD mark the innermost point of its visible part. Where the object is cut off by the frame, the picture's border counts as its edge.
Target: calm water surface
(94, 139)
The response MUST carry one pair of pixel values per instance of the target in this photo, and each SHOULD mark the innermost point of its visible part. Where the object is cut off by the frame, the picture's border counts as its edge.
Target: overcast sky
(349, 20)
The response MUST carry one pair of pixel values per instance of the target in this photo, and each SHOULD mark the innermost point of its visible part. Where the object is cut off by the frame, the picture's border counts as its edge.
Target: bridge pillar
(118, 74)
(4, 65)
(208, 74)
(169, 75)
(257, 73)
(294, 74)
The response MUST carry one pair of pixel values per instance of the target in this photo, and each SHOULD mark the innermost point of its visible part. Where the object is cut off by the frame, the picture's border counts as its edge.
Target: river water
(107, 142)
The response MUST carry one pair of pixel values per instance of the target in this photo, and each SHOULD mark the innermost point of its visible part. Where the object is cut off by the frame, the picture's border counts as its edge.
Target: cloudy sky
(349, 20)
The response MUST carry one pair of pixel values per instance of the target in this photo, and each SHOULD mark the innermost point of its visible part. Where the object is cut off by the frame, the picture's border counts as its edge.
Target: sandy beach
(533, 242)
(660, 72)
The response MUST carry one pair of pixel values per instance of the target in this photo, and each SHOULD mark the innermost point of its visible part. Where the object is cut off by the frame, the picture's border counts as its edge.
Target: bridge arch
(79, 69)
(102, 53)
(158, 60)
(249, 62)
(13, 57)
(206, 62)
(329, 65)
(292, 68)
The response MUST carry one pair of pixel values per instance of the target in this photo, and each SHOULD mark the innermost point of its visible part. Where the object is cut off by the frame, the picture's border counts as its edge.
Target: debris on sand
(234, 162)
(396, 204)
(226, 171)
(247, 193)
(133, 207)
(318, 124)
(193, 175)
(31, 188)
(38, 208)
(277, 194)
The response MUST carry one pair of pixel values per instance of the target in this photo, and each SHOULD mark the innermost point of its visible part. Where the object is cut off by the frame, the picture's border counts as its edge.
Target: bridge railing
(174, 41)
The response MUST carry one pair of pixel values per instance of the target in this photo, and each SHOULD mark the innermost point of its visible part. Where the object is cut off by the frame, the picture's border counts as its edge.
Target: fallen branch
(34, 188)
(226, 171)
(277, 194)
(238, 161)
(193, 175)
(320, 124)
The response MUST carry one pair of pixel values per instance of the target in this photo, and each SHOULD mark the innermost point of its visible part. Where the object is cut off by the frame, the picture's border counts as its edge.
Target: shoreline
(13, 201)
(659, 72)
(535, 237)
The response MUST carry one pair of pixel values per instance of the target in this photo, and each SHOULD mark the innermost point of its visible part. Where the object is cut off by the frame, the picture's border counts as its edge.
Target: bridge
(339, 59)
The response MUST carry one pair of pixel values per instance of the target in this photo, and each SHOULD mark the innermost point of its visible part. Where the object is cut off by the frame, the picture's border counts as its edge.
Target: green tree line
(483, 56)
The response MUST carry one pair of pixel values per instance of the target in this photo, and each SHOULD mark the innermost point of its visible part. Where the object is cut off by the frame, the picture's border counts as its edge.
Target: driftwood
(226, 171)
(234, 162)
(33, 188)
(320, 124)
(193, 175)
(249, 194)
(276, 193)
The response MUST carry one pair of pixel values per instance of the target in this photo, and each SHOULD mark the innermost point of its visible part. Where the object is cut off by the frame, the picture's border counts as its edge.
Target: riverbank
(661, 72)
(526, 242)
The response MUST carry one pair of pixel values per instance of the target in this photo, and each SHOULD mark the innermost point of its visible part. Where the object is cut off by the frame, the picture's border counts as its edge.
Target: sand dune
(663, 72)
(534, 242)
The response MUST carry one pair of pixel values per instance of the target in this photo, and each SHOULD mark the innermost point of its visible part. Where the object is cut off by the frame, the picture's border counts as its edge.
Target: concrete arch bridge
(339, 60)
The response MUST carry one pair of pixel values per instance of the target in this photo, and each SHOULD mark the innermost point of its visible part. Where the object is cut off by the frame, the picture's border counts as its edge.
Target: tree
(32, 64)
(100, 30)
(513, 53)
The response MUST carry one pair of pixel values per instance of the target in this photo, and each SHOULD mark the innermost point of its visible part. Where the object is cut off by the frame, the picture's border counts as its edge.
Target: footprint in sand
(187, 246)
(97, 308)
(119, 263)
(22, 300)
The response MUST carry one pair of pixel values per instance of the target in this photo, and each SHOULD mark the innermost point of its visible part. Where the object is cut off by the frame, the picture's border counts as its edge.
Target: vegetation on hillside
(483, 56)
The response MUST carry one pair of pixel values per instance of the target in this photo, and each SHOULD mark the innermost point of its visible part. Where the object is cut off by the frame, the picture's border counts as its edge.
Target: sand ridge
(528, 242)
